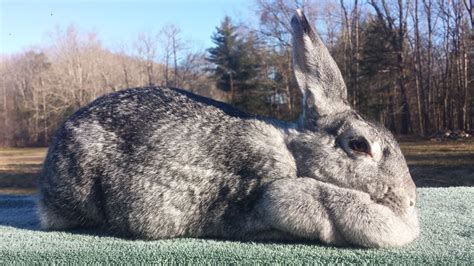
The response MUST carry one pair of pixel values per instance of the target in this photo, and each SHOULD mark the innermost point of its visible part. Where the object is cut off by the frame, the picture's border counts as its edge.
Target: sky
(27, 23)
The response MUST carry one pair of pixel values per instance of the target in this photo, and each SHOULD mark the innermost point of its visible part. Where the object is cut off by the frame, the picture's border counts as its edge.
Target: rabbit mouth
(399, 204)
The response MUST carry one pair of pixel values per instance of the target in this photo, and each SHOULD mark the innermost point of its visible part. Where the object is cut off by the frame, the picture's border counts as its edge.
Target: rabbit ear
(318, 77)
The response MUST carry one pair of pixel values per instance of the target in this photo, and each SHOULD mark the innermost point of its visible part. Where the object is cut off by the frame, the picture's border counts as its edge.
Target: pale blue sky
(26, 23)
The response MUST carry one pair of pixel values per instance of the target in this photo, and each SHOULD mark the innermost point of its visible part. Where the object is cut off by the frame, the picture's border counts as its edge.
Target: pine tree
(225, 57)
(236, 61)
(244, 67)
(378, 74)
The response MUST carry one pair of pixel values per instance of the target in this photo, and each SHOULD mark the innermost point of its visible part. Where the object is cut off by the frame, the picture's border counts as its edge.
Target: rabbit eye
(359, 145)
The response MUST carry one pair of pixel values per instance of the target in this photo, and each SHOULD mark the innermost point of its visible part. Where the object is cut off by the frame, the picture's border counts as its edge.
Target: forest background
(407, 64)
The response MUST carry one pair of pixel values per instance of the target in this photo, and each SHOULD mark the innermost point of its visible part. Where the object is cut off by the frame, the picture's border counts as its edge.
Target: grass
(432, 164)
(19, 168)
(440, 164)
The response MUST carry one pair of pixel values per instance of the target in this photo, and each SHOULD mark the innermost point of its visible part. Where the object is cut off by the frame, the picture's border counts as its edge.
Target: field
(432, 164)
(19, 168)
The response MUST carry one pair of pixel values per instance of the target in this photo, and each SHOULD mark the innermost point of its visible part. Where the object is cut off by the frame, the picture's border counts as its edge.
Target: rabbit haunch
(155, 163)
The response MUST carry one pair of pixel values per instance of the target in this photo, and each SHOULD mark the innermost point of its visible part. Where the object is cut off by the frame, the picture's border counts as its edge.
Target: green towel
(447, 228)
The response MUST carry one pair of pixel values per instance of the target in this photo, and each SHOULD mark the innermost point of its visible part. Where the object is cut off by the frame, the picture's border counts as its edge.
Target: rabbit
(156, 163)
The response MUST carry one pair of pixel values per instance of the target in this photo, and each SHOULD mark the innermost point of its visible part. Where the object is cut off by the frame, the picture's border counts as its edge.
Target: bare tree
(147, 46)
(275, 16)
(469, 4)
(426, 59)
(389, 21)
(172, 46)
(351, 48)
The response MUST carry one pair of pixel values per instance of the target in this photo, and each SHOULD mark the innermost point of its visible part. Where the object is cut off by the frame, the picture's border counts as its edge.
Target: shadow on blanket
(20, 212)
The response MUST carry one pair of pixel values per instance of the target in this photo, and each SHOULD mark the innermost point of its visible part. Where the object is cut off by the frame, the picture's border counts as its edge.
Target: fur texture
(155, 163)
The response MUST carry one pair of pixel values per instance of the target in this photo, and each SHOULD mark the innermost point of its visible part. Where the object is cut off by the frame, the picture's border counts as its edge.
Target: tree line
(407, 64)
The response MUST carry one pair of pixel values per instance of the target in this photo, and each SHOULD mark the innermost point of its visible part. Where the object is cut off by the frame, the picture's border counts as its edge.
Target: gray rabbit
(154, 163)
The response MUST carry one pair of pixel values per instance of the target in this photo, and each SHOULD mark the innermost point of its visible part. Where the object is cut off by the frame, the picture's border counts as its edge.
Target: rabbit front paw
(393, 200)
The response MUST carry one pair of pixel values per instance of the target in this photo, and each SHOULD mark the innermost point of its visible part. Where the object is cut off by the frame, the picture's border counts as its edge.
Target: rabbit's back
(158, 162)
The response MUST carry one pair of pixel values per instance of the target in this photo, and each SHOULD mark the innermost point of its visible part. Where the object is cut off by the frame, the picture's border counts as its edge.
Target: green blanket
(447, 236)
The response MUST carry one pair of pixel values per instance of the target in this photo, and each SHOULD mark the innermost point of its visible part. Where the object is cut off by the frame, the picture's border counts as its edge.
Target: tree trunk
(405, 126)
(429, 114)
(356, 55)
(419, 75)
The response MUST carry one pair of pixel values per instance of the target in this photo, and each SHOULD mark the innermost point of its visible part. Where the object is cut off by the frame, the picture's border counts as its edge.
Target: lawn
(432, 164)
(19, 169)
(440, 164)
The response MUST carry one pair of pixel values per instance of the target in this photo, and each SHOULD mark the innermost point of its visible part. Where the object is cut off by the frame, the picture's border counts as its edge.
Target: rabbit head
(336, 144)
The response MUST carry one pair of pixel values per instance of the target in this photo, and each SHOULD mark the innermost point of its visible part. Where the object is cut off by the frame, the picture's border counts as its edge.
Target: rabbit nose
(411, 199)
(410, 189)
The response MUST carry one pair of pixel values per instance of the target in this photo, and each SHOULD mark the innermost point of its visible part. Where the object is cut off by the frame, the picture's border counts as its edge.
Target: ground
(432, 164)
(19, 169)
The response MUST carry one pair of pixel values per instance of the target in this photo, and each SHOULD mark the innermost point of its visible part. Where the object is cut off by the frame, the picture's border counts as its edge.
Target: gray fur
(155, 163)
